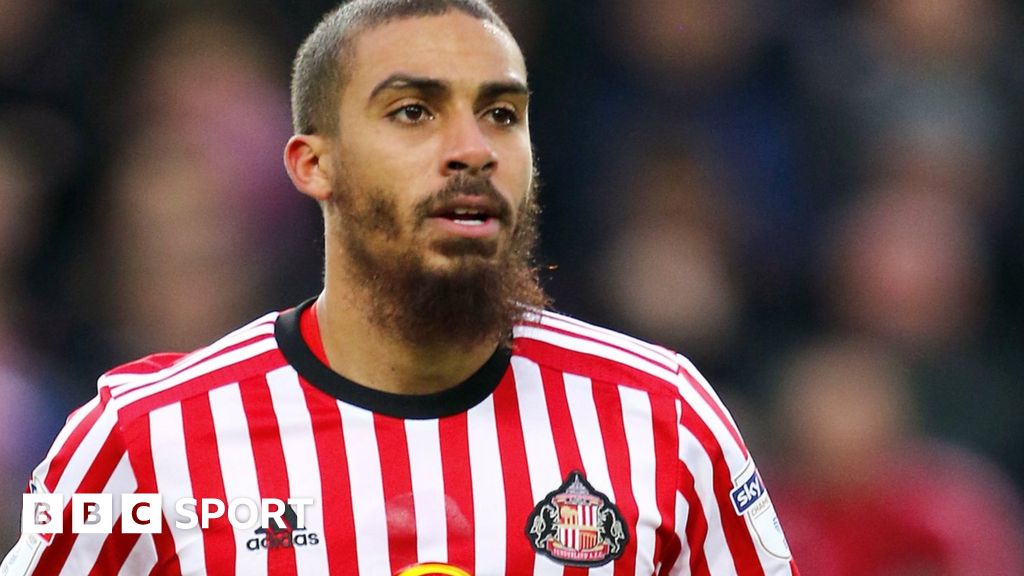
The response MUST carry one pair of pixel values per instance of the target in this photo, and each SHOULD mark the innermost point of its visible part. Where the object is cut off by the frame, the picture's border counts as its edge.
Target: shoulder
(143, 385)
(578, 347)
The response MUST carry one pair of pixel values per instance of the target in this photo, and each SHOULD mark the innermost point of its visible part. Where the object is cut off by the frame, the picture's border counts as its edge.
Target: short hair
(321, 65)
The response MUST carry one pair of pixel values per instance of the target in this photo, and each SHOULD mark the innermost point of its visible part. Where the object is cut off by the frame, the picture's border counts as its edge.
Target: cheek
(519, 174)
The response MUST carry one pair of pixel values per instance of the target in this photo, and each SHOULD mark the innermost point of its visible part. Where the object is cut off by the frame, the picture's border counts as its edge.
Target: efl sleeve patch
(750, 499)
(22, 559)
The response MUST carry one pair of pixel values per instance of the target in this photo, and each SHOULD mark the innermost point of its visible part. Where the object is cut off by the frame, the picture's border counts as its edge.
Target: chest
(519, 484)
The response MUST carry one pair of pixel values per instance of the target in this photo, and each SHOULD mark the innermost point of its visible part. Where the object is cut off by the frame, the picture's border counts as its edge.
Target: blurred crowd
(821, 203)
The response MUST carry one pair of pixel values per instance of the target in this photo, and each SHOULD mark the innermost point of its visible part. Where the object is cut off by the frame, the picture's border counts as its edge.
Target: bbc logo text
(45, 514)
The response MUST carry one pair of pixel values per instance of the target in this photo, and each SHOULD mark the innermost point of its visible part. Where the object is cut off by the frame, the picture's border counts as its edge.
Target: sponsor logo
(432, 569)
(747, 493)
(576, 525)
(284, 532)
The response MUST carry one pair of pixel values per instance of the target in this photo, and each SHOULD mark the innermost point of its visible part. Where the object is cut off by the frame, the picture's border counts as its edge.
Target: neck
(364, 352)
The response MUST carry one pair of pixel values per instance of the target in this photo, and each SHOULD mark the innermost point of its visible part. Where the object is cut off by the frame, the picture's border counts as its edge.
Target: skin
(427, 99)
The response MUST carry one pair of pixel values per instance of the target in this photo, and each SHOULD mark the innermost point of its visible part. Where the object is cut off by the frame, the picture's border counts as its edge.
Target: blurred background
(821, 203)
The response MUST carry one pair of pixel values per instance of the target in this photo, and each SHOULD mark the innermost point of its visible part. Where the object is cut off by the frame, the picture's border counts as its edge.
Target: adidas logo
(284, 534)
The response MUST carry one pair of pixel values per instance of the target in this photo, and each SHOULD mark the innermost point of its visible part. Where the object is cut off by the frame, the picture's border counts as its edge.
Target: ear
(308, 165)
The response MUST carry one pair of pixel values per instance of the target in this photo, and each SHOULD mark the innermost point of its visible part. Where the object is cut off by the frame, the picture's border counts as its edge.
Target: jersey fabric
(576, 451)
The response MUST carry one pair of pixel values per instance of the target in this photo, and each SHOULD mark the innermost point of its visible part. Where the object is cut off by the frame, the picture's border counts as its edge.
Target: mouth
(466, 216)
(469, 216)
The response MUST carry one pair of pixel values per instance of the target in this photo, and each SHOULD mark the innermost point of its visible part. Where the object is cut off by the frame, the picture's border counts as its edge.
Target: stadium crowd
(821, 203)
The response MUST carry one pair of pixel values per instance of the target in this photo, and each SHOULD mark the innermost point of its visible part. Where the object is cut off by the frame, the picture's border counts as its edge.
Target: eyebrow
(433, 87)
(399, 81)
(492, 90)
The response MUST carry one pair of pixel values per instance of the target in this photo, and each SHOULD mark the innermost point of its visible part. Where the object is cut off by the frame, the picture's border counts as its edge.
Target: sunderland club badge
(577, 526)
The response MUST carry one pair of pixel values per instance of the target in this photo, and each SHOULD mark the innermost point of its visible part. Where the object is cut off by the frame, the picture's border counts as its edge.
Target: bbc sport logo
(43, 514)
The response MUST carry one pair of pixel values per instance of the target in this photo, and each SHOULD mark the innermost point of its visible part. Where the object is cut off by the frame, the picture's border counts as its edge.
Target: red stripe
(458, 486)
(268, 453)
(737, 535)
(147, 365)
(254, 367)
(696, 524)
(519, 501)
(609, 413)
(137, 438)
(596, 367)
(719, 412)
(669, 366)
(309, 327)
(606, 335)
(148, 378)
(60, 460)
(167, 563)
(396, 477)
(566, 444)
(95, 479)
(336, 490)
(115, 551)
(207, 481)
(665, 420)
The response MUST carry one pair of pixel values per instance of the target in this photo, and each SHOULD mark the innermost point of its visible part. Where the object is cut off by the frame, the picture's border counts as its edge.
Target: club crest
(576, 525)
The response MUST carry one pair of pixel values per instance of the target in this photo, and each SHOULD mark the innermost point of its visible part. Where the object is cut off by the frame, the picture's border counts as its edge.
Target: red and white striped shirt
(580, 451)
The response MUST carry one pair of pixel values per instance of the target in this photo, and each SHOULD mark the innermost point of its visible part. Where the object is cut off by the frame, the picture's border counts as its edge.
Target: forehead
(453, 47)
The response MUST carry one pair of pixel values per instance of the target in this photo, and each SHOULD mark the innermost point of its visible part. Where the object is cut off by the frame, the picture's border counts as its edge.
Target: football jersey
(576, 450)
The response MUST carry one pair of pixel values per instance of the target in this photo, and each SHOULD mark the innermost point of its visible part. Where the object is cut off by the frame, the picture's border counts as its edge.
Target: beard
(483, 292)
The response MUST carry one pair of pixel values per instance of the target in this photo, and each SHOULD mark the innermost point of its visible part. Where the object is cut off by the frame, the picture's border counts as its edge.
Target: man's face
(432, 209)
(433, 153)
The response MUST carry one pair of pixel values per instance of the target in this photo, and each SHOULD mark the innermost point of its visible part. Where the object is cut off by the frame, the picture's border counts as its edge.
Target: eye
(411, 114)
(503, 116)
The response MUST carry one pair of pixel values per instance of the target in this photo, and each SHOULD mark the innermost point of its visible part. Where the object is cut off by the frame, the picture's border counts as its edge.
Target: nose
(467, 148)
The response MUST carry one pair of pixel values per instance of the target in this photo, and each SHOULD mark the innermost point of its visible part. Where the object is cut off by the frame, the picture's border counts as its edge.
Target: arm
(725, 520)
(88, 457)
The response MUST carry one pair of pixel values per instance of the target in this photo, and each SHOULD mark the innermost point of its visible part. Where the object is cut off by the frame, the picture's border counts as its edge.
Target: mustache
(464, 185)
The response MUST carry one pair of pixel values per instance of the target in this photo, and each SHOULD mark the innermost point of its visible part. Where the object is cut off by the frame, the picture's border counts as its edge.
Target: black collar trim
(459, 398)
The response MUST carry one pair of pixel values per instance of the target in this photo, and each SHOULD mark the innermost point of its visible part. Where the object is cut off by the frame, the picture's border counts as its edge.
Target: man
(423, 415)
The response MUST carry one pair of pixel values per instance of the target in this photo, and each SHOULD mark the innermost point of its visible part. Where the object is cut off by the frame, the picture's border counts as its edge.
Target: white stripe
(639, 425)
(86, 549)
(238, 468)
(595, 349)
(170, 463)
(142, 558)
(300, 460)
(73, 421)
(639, 347)
(692, 370)
(488, 489)
(83, 457)
(424, 441)
(730, 449)
(697, 461)
(131, 392)
(579, 392)
(682, 565)
(261, 327)
(541, 457)
(363, 454)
